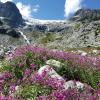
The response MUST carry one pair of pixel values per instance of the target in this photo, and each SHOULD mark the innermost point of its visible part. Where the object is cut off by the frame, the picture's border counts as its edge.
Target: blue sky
(47, 9)
(53, 9)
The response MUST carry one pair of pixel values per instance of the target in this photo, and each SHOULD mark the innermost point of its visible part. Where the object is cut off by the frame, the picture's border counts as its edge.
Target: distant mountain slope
(82, 30)
(87, 15)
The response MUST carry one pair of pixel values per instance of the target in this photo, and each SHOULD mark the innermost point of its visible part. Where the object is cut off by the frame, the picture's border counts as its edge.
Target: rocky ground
(82, 30)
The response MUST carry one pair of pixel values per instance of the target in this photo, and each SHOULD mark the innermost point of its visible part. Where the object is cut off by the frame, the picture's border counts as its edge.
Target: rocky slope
(86, 15)
(82, 30)
(66, 34)
(10, 20)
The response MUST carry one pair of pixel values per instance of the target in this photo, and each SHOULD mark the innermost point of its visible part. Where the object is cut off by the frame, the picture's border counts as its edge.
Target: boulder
(2, 30)
(2, 54)
(1, 23)
(9, 31)
(50, 71)
(72, 84)
(69, 84)
(54, 63)
(47, 70)
(13, 33)
(40, 28)
(79, 85)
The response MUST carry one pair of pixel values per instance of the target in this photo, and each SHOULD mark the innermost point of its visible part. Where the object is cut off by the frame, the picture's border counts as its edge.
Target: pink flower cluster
(58, 92)
(44, 54)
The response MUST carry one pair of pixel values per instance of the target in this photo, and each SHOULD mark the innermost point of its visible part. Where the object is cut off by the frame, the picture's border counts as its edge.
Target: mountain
(45, 25)
(10, 14)
(81, 30)
(10, 20)
(86, 14)
(82, 15)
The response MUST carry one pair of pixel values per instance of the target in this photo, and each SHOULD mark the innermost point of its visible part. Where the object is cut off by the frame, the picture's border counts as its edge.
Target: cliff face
(10, 19)
(10, 14)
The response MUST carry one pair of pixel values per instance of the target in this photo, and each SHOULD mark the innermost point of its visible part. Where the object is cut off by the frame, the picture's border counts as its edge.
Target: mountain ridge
(81, 31)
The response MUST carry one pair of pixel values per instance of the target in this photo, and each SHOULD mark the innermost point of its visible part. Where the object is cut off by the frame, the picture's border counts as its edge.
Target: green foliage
(50, 37)
(77, 26)
(33, 91)
(89, 76)
(98, 48)
(58, 38)
(6, 66)
(29, 54)
(70, 70)
(18, 72)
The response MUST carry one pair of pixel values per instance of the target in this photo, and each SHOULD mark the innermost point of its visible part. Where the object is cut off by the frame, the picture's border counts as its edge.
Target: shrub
(75, 66)
(77, 26)
(21, 70)
(32, 91)
(50, 37)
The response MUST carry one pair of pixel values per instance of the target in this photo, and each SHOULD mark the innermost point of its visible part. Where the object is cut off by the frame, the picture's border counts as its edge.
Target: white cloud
(25, 10)
(5, 0)
(72, 6)
(36, 8)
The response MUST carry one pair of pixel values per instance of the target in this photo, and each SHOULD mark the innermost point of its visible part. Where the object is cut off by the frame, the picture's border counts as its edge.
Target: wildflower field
(20, 78)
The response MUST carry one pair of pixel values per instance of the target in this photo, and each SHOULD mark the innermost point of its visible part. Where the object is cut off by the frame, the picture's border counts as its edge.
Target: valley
(49, 59)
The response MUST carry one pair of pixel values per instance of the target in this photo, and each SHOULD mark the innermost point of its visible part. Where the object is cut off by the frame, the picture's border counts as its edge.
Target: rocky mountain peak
(10, 14)
(86, 14)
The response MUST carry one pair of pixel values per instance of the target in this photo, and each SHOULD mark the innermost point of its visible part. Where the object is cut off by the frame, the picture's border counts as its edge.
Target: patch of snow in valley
(32, 21)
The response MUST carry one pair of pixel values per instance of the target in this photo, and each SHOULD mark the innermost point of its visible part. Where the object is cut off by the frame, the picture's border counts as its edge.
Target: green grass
(89, 76)
(77, 26)
(32, 91)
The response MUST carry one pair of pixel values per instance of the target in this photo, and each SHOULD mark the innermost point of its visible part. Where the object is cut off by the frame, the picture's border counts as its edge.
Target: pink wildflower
(32, 66)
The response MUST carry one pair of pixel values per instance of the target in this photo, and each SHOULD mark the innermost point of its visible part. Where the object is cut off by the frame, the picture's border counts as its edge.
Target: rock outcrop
(10, 32)
(86, 15)
(10, 14)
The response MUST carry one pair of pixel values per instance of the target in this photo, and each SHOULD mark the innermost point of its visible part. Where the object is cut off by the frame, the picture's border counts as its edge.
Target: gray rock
(10, 32)
(10, 14)
(80, 85)
(54, 63)
(86, 15)
(50, 71)
(2, 30)
(1, 23)
(84, 31)
(69, 84)
(13, 33)
(2, 54)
